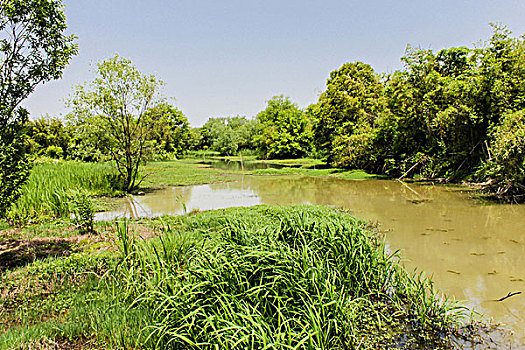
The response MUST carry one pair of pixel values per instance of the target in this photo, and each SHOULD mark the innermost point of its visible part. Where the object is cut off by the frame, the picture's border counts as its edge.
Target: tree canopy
(119, 108)
(227, 135)
(33, 50)
(446, 114)
(284, 130)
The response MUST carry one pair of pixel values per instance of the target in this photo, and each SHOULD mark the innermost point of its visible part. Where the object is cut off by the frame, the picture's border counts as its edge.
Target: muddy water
(475, 252)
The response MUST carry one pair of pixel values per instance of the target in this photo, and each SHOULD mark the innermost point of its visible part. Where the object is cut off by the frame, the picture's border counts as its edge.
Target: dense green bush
(506, 163)
(284, 130)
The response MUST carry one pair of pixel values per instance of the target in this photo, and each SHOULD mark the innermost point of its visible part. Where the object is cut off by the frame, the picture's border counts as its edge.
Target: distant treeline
(457, 114)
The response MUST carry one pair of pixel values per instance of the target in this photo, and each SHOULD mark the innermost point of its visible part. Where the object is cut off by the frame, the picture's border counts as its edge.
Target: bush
(83, 210)
(506, 164)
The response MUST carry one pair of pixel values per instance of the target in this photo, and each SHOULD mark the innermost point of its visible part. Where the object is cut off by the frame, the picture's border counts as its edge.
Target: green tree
(348, 107)
(506, 159)
(48, 137)
(33, 50)
(115, 105)
(284, 131)
(228, 135)
(433, 122)
(444, 105)
(169, 129)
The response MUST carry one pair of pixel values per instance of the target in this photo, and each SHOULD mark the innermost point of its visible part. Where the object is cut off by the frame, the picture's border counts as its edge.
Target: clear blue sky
(225, 58)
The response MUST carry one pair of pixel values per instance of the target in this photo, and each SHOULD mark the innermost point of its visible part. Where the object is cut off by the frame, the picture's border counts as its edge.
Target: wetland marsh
(474, 250)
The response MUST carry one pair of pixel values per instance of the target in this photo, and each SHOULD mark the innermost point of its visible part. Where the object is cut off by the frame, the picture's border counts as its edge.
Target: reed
(47, 193)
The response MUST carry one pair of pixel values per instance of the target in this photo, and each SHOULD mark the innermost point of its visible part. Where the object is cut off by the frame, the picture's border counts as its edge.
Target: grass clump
(276, 278)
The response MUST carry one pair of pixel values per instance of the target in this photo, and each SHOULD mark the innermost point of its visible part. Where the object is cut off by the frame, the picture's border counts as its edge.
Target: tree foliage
(48, 137)
(168, 130)
(118, 107)
(284, 131)
(443, 115)
(506, 161)
(351, 99)
(33, 50)
(227, 135)
(345, 113)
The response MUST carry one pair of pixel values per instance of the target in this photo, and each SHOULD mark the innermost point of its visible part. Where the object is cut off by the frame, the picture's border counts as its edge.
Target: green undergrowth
(53, 188)
(295, 277)
(37, 298)
(48, 229)
(179, 173)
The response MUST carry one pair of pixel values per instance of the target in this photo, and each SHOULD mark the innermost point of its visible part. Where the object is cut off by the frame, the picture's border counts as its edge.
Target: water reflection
(475, 252)
(241, 166)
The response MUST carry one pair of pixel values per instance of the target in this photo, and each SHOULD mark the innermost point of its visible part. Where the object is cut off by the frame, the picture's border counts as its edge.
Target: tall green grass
(51, 187)
(296, 277)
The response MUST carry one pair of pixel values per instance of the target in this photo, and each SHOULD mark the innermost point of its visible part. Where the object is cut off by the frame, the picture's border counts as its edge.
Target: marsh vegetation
(274, 277)
(291, 277)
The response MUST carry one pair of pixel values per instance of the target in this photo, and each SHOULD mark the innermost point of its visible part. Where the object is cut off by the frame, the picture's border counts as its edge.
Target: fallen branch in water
(406, 172)
(508, 296)
(404, 184)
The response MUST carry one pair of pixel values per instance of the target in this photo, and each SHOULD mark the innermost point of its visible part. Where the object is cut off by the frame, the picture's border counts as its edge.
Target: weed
(83, 210)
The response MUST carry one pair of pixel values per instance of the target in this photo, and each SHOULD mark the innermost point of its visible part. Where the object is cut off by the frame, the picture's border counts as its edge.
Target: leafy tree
(351, 102)
(89, 142)
(437, 115)
(284, 130)
(433, 122)
(506, 163)
(444, 105)
(169, 129)
(48, 137)
(228, 135)
(33, 50)
(117, 106)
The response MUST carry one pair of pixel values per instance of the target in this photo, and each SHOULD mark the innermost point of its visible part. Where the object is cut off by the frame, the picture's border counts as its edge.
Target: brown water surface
(474, 251)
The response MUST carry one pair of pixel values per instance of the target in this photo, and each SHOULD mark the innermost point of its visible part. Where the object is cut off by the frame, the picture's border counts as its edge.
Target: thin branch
(508, 296)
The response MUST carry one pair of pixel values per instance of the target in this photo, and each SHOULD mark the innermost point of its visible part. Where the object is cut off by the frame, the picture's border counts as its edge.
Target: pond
(474, 251)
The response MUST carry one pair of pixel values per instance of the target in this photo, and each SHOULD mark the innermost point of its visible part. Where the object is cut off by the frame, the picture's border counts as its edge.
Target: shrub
(506, 164)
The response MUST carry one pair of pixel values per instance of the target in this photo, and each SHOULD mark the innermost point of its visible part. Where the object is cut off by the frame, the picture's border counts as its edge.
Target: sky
(227, 58)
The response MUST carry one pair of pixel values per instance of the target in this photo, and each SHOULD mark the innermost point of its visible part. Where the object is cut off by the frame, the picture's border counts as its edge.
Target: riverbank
(249, 165)
(305, 276)
(55, 190)
(30, 250)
